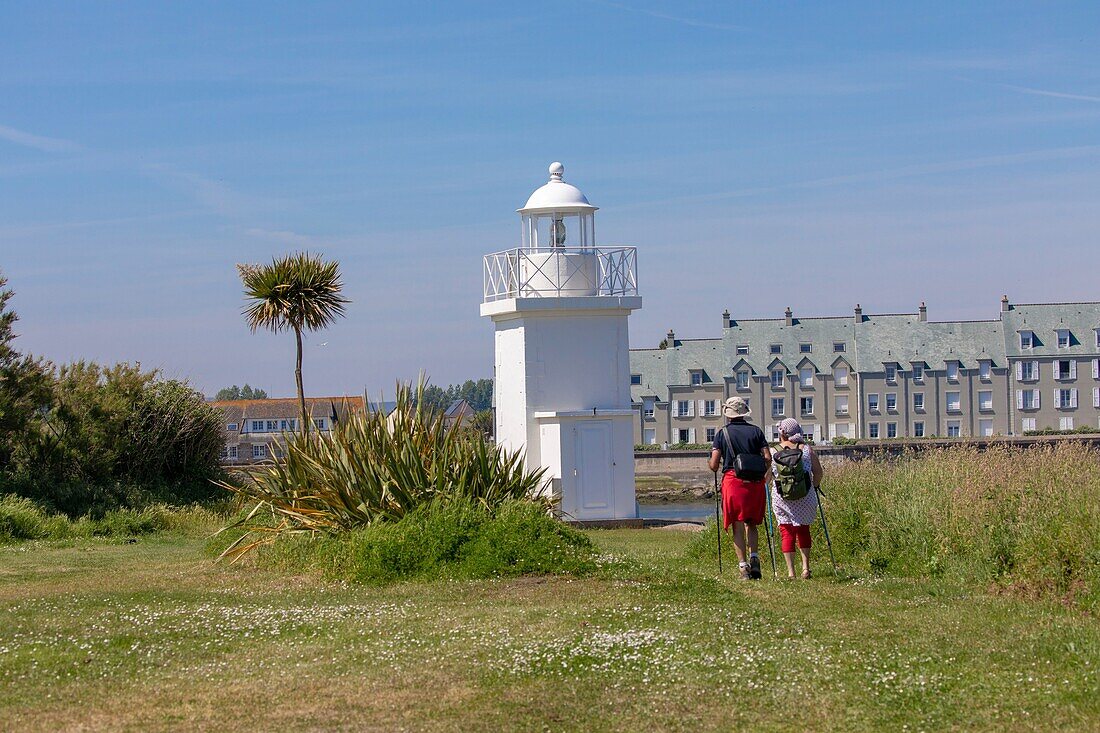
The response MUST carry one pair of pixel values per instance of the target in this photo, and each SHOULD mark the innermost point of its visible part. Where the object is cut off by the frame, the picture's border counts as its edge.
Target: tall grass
(22, 519)
(373, 468)
(1022, 519)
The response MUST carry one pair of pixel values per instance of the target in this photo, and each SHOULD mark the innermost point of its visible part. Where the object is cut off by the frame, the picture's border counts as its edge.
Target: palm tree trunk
(298, 381)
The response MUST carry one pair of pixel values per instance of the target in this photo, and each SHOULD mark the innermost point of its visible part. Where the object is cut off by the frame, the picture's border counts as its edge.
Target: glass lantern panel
(545, 231)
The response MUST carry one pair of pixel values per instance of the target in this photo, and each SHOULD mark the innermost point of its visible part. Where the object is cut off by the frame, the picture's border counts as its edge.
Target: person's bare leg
(805, 560)
(788, 557)
(753, 533)
(739, 541)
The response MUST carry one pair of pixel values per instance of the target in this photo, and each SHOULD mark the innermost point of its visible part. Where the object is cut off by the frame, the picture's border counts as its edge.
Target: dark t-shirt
(747, 438)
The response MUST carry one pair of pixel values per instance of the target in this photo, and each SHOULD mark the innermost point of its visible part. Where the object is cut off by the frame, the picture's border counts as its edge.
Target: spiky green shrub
(374, 468)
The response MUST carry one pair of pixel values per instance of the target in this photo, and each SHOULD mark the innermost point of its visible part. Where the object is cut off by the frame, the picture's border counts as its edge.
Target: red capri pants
(788, 533)
(742, 501)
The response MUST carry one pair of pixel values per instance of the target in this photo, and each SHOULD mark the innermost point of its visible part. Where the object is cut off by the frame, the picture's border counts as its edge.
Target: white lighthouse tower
(560, 304)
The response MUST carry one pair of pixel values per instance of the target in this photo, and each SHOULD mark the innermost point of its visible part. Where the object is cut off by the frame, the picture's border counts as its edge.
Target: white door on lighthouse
(592, 449)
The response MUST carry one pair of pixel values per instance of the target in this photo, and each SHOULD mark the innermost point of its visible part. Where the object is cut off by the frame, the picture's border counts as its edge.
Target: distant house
(253, 427)
(460, 410)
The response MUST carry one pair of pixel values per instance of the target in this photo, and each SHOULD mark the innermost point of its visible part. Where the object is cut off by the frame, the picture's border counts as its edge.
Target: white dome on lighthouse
(557, 195)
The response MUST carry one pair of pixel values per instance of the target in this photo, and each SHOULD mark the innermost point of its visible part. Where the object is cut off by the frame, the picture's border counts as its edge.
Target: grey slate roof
(1082, 320)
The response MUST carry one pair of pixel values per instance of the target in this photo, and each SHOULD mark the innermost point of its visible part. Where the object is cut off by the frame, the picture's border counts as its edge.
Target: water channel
(688, 511)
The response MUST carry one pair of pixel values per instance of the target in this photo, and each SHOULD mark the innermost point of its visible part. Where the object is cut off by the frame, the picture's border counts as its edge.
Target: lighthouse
(559, 305)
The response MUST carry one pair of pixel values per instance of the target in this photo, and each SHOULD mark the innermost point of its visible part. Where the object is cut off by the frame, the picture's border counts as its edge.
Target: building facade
(254, 428)
(881, 376)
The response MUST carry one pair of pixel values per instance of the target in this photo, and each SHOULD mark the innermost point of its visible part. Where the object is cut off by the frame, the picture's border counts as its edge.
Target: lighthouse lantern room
(559, 304)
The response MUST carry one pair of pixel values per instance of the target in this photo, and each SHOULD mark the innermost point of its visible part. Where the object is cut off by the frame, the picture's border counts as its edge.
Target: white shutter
(691, 435)
(691, 408)
(1073, 398)
(1057, 403)
(1019, 370)
(1019, 396)
(1035, 393)
(1035, 369)
(1096, 368)
(1096, 396)
(1073, 369)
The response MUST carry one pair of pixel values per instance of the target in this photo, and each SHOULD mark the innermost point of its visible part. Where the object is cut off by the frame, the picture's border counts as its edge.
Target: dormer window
(776, 349)
(635, 378)
(985, 370)
(778, 375)
(891, 373)
(696, 377)
(838, 346)
(918, 372)
(231, 427)
(804, 348)
(1027, 340)
(743, 349)
(742, 380)
(1097, 330)
(952, 371)
(1063, 338)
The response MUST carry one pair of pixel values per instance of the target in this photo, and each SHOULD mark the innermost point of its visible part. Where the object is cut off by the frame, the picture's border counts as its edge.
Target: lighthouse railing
(558, 272)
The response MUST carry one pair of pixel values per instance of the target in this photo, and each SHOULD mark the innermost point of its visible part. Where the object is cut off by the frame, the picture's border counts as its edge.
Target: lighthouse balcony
(561, 272)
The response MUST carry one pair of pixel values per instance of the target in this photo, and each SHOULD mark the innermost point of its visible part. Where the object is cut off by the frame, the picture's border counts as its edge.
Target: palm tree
(295, 292)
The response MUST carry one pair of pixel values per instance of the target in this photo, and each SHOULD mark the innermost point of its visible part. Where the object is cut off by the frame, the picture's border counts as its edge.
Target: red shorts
(742, 501)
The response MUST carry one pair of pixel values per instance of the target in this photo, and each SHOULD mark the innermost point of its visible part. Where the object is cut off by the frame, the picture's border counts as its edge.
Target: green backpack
(792, 481)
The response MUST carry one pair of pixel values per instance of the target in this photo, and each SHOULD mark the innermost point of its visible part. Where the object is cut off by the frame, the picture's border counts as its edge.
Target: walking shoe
(806, 575)
(745, 574)
(754, 567)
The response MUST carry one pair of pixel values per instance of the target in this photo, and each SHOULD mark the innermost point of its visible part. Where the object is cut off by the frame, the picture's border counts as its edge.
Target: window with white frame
(1065, 369)
(985, 428)
(319, 422)
(804, 348)
(778, 406)
(985, 400)
(842, 430)
(649, 436)
(259, 451)
(775, 349)
(806, 405)
(271, 426)
(648, 407)
(954, 402)
(840, 376)
(1027, 424)
(806, 377)
(635, 378)
(1027, 399)
(1066, 399)
(891, 401)
(1027, 340)
(684, 408)
(1063, 338)
(1027, 371)
(683, 435)
(257, 426)
(952, 371)
(891, 373)
(872, 430)
(985, 370)
(710, 434)
(710, 408)
(233, 452)
(808, 432)
(918, 401)
(778, 375)
(954, 428)
(231, 427)
(840, 402)
(742, 349)
(891, 430)
(696, 377)
(918, 429)
(1065, 423)
(838, 346)
(742, 380)
(918, 373)
(872, 402)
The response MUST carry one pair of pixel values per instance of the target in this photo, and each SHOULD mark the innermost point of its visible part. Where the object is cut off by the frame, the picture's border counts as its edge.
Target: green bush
(1024, 519)
(455, 539)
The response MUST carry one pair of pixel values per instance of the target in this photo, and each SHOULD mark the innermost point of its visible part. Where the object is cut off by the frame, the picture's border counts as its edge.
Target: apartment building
(878, 376)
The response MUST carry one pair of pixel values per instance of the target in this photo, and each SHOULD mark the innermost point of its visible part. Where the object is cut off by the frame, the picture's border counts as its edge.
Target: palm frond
(299, 291)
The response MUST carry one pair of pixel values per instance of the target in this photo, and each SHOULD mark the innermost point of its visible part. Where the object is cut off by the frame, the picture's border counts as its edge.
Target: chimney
(670, 338)
(726, 318)
(922, 312)
(859, 313)
(1005, 307)
(789, 315)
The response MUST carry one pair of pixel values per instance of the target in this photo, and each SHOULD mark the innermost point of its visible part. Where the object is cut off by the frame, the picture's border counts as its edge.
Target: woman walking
(795, 508)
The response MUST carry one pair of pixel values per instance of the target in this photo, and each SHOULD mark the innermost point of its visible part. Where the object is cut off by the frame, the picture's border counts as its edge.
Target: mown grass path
(153, 636)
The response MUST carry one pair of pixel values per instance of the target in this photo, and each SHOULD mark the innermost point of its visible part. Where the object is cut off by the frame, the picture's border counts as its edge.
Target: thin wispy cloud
(1050, 93)
(38, 142)
(695, 22)
(284, 236)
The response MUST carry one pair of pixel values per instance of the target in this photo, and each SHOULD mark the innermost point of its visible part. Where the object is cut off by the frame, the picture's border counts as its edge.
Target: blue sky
(759, 155)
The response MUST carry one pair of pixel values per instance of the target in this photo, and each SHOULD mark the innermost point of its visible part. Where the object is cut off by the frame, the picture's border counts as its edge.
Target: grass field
(152, 635)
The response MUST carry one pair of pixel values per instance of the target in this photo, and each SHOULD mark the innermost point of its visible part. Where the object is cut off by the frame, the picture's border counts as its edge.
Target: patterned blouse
(796, 511)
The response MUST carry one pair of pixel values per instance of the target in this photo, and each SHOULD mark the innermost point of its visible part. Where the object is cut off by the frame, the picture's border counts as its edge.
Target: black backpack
(746, 466)
(792, 481)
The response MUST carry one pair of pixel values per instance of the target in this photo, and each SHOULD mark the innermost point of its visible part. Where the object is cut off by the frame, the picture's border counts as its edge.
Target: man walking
(741, 449)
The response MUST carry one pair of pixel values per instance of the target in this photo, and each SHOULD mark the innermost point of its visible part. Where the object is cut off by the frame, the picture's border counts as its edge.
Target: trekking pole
(825, 527)
(718, 519)
(768, 529)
